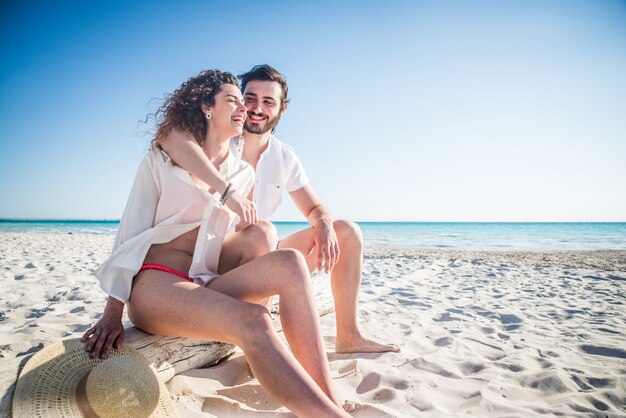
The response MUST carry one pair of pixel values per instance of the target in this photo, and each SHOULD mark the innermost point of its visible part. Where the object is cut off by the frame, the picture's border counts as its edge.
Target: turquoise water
(459, 235)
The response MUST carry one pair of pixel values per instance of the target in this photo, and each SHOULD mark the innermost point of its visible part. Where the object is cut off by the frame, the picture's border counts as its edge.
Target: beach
(482, 333)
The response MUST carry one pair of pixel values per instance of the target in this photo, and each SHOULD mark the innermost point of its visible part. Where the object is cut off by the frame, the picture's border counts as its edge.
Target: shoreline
(607, 260)
(477, 236)
(482, 332)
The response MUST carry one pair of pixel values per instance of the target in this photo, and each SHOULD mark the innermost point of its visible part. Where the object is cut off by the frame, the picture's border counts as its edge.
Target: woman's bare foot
(364, 345)
(350, 406)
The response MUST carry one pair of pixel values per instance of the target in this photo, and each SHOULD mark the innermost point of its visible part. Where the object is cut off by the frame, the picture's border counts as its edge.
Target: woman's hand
(108, 331)
(244, 208)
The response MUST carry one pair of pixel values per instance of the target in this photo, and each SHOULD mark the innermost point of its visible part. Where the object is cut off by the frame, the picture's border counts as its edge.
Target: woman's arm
(186, 152)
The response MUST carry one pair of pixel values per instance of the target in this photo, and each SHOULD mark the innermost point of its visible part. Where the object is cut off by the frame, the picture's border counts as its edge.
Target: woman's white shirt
(164, 203)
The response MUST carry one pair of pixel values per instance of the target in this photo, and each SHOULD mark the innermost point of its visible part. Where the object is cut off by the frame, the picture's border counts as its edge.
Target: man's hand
(244, 208)
(108, 331)
(324, 241)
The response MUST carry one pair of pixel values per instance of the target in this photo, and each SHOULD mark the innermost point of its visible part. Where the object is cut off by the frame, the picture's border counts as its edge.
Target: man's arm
(324, 238)
(186, 152)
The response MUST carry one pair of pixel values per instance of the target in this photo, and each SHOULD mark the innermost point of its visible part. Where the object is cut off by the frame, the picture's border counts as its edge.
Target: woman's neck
(216, 149)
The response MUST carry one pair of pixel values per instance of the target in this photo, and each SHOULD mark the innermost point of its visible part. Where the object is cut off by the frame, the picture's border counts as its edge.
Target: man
(335, 246)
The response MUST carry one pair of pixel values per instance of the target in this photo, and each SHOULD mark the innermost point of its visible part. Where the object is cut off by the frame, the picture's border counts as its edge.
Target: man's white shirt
(278, 169)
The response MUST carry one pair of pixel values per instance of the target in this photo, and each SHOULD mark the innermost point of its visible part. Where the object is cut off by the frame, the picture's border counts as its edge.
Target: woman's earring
(208, 115)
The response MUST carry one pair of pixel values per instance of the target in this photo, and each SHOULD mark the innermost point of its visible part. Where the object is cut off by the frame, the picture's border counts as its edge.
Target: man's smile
(256, 117)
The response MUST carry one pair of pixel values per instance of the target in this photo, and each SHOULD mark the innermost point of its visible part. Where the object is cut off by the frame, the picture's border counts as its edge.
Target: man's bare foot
(363, 345)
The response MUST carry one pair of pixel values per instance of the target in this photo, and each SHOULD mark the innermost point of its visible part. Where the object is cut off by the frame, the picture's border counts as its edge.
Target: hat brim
(47, 385)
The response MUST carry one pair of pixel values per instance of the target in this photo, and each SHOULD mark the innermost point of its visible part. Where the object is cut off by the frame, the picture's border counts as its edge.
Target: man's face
(262, 99)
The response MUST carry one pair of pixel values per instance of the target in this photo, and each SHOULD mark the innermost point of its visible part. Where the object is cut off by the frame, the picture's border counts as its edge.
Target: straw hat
(62, 380)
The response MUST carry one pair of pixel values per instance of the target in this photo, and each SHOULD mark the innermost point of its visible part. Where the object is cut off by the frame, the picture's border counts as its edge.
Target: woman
(176, 237)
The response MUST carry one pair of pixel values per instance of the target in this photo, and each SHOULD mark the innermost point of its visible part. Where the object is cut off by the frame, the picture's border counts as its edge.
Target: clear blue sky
(414, 111)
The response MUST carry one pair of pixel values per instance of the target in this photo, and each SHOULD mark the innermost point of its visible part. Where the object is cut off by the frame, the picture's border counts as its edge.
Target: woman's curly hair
(182, 109)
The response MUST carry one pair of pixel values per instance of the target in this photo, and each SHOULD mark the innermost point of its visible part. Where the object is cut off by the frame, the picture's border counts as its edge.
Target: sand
(485, 334)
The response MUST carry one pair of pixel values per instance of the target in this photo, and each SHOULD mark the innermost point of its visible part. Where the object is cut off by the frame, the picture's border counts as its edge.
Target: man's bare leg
(298, 314)
(345, 285)
(240, 247)
(164, 304)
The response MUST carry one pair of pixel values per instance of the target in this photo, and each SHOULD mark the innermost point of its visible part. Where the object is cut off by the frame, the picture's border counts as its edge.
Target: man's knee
(290, 266)
(291, 259)
(256, 323)
(293, 273)
(348, 233)
(263, 237)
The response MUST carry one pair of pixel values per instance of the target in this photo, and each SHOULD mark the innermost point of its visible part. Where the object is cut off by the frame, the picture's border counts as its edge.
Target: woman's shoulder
(158, 159)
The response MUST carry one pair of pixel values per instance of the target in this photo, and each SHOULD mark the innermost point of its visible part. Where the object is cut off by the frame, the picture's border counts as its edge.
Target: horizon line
(303, 221)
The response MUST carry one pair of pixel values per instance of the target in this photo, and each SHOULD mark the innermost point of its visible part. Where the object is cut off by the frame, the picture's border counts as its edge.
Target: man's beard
(260, 128)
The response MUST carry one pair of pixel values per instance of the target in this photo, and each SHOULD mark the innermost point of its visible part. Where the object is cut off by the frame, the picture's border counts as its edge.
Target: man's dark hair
(265, 72)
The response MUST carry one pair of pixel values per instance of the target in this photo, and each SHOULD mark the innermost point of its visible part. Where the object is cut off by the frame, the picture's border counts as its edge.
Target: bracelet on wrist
(227, 193)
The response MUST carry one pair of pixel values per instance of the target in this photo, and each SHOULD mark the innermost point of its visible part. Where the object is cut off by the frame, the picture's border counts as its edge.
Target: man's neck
(254, 146)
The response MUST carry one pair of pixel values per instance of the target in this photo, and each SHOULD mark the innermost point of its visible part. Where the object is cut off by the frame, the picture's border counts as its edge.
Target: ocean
(453, 235)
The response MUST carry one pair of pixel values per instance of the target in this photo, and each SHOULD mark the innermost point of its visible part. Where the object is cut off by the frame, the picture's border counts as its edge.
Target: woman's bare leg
(163, 304)
(284, 273)
(240, 247)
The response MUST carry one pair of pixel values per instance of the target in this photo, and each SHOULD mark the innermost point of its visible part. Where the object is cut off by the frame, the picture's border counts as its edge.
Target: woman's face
(228, 112)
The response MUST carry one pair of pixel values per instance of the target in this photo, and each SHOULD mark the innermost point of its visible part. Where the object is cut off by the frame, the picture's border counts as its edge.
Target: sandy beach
(482, 333)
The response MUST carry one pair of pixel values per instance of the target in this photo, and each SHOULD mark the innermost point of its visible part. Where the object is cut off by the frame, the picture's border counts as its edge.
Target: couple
(187, 267)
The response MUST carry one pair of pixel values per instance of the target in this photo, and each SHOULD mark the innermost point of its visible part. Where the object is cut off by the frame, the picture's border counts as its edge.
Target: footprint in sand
(547, 383)
(62, 296)
(443, 342)
(515, 368)
(581, 382)
(603, 351)
(421, 405)
(369, 382)
(383, 395)
(469, 368)
(421, 364)
(446, 317)
(81, 328)
(601, 382)
(598, 404)
(510, 321)
(487, 330)
(38, 313)
(400, 384)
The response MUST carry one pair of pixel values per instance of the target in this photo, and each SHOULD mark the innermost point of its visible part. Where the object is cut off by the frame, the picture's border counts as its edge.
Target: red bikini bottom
(161, 267)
